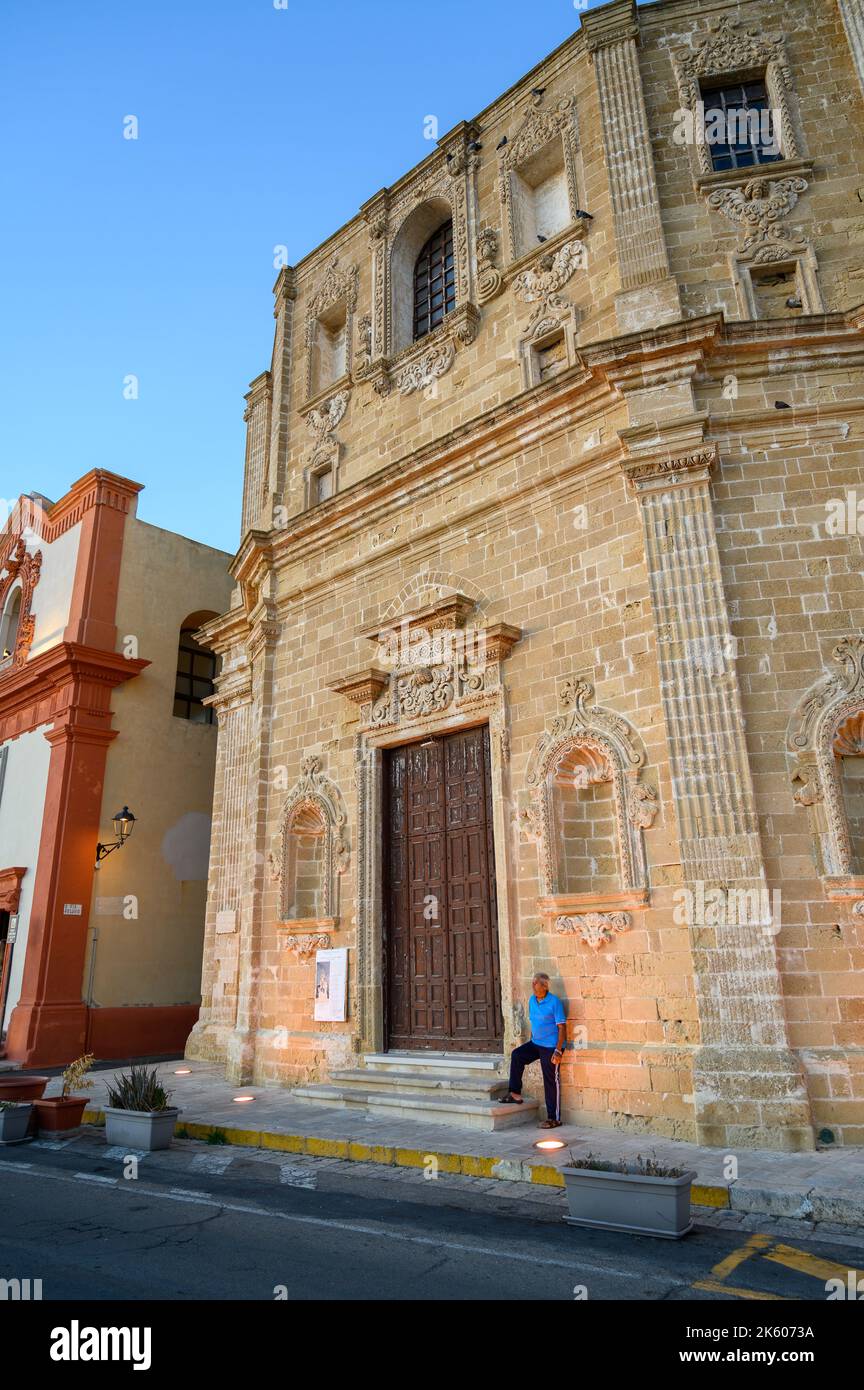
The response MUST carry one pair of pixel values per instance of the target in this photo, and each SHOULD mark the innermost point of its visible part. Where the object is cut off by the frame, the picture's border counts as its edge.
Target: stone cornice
(585, 392)
(52, 686)
(611, 23)
(451, 611)
(662, 472)
(94, 489)
(362, 686)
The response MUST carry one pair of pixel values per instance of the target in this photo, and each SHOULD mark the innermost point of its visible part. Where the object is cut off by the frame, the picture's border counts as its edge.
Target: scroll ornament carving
(431, 365)
(305, 944)
(607, 749)
(833, 689)
(595, 928)
(537, 129)
(425, 691)
(576, 696)
(323, 420)
(313, 787)
(819, 733)
(540, 284)
(27, 567)
(489, 278)
(758, 208)
(729, 48)
(336, 285)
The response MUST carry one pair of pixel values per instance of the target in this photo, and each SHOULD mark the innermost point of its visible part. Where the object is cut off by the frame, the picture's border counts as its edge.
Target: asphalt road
(185, 1230)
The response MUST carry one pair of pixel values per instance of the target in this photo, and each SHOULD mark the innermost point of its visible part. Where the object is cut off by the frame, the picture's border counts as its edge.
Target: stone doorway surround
(436, 673)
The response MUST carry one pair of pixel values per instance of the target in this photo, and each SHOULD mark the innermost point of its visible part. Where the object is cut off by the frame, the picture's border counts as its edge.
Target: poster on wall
(331, 978)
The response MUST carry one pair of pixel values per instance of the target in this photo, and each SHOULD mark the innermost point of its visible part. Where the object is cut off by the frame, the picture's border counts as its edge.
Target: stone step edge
(445, 1062)
(410, 1100)
(711, 1195)
(442, 1085)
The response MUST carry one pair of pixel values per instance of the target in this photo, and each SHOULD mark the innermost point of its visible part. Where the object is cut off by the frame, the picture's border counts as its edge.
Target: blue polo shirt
(545, 1015)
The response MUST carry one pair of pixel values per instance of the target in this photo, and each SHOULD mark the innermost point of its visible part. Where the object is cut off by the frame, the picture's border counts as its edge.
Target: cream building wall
(149, 897)
(652, 520)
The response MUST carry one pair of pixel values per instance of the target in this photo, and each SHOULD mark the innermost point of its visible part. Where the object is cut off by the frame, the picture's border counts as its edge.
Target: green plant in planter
(73, 1076)
(140, 1090)
(13, 1104)
(646, 1167)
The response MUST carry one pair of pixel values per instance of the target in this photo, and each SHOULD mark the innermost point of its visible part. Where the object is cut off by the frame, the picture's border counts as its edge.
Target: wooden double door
(442, 979)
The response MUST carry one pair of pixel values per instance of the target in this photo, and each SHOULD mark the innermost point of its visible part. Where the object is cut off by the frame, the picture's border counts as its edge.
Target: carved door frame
(369, 762)
(472, 1044)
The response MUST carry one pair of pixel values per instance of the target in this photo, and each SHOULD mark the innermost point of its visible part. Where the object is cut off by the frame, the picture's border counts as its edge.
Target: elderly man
(548, 1025)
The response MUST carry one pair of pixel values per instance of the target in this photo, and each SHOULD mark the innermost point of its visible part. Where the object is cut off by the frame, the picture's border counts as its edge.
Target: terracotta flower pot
(22, 1085)
(57, 1114)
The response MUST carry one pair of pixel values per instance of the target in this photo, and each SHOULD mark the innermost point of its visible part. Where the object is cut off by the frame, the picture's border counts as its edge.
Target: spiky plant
(140, 1090)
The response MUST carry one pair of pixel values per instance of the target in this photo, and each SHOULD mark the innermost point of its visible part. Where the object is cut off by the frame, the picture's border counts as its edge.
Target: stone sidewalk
(824, 1186)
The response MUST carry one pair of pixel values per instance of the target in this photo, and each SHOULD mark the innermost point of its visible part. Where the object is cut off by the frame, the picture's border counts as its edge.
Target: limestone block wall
(614, 449)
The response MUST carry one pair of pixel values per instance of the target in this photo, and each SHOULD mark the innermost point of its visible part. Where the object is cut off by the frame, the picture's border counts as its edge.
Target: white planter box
(629, 1202)
(13, 1123)
(140, 1129)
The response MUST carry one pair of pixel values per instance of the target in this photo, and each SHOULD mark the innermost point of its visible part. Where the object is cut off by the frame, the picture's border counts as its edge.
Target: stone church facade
(546, 650)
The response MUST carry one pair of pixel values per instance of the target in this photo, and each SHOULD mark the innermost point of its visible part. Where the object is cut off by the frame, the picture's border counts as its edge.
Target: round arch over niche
(415, 231)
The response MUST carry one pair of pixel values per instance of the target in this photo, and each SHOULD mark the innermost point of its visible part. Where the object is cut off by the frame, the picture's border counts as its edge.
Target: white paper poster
(331, 978)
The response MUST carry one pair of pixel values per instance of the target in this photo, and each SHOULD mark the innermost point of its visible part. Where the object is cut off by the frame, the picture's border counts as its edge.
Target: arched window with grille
(434, 281)
(9, 622)
(196, 674)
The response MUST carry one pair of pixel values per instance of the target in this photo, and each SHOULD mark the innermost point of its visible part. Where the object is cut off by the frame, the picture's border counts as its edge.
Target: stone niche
(586, 812)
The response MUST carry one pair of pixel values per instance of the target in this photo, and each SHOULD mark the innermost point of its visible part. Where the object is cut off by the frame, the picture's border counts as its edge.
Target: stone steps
(481, 1087)
(440, 1088)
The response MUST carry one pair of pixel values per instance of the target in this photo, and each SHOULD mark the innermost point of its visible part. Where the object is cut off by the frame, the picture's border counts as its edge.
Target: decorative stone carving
(432, 364)
(363, 357)
(10, 889)
(305, 944)
(24, 566)
(448, 181)
(595, 928)
(539, 126)
(323, 420)
(726, 50)
(826, 727)
(489, 279)
(807, 788)
(539, 285)
(314, 792)
(758, 208)
(337, 287)
(645, 475)
(611, 751)
(642, 806)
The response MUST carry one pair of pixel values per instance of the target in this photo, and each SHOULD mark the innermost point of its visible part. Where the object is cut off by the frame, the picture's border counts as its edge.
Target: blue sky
(153, 257)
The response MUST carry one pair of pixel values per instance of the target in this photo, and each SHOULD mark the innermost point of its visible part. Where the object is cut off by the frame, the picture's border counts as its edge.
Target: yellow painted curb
(547, 1176)
(327, 1148)
(470, 1165)
(473, 1166)
(371, 1153)
(284, 1143)
(709, 1196)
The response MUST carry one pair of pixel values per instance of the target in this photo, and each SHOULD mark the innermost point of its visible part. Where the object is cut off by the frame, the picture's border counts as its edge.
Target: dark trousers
(522, 1057)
